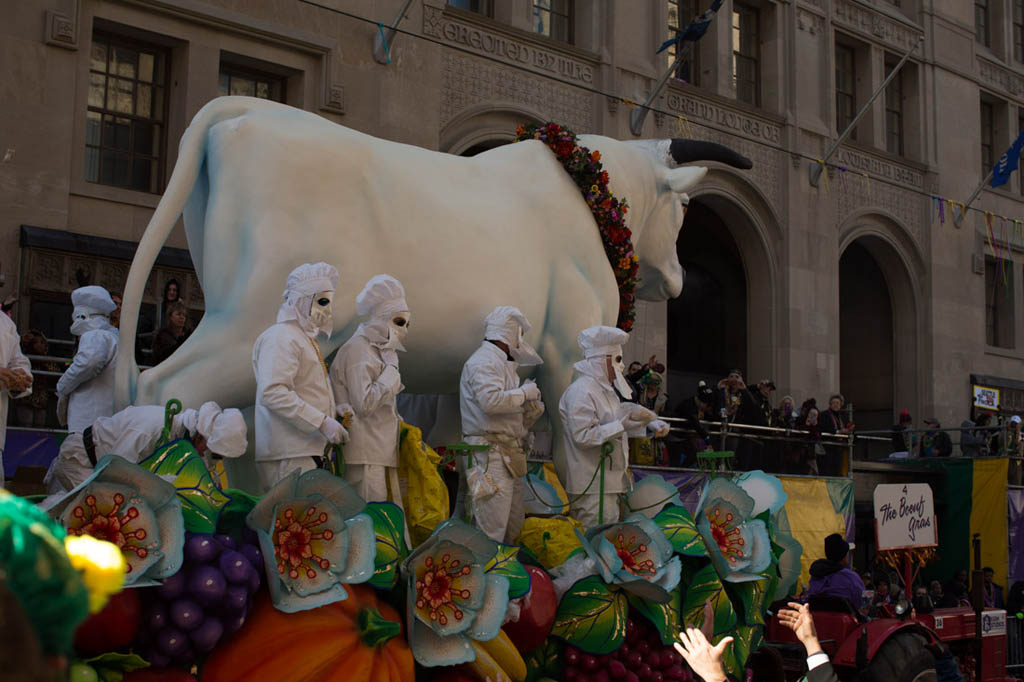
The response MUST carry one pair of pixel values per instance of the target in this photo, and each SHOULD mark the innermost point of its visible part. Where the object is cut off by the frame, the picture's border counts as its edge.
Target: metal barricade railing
(774, 449)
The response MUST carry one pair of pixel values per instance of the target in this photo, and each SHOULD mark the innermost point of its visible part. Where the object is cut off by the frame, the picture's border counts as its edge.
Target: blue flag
(1008, 163)
(696, 30)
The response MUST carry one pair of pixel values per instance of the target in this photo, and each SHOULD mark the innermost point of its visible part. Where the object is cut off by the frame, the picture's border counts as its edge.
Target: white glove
(530, 391)
(659, 427)
(632, 424)
(333, 431)
(391, 379)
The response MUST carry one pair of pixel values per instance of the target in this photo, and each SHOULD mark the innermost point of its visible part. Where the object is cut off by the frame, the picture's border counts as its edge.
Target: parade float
(310, 582)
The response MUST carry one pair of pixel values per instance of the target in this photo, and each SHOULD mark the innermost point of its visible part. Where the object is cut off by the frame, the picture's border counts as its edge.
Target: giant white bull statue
(265, 187)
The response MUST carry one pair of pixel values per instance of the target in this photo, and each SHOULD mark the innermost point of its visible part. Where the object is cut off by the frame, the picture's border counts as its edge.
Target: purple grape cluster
(186, 616)
(641, 658)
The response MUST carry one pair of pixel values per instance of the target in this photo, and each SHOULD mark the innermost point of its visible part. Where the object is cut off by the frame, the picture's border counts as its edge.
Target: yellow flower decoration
(101, 564)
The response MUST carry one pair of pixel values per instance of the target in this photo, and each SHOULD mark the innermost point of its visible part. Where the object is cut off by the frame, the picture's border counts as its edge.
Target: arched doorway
(725, 316)
(865, 338)
(879, 279)
(707, 323)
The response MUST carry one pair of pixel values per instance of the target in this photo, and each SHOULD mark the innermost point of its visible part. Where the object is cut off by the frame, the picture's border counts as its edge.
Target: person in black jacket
(700, 406)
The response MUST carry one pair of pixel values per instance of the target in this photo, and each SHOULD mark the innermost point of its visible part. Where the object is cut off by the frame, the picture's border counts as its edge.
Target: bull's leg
(574, 306)
(210, 365)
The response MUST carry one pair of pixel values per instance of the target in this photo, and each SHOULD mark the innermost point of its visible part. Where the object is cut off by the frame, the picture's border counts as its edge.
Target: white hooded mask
(307, 287)
(383, 301)
(93, 306)
(224, 430)
(599, 344)
(507, 324)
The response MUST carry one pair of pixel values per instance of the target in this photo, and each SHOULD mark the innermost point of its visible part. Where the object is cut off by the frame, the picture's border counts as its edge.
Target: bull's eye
(323, 302)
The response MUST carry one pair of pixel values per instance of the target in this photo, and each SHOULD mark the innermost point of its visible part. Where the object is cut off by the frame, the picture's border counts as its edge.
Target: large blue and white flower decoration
(651, 494)
(738, 544)
(315, 539)
(132, 508)
(454, 597)
(634, 554)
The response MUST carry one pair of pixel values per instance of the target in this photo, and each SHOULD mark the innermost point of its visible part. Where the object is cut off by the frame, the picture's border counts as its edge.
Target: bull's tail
(191, 154)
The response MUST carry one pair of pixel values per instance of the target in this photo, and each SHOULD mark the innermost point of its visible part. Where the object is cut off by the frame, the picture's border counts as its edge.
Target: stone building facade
(859, 284)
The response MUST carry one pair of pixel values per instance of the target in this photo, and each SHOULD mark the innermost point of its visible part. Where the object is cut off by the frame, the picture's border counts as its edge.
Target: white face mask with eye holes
(320, 311)
(85, 319)
(523, 353)
(620, 383)
(398, 329)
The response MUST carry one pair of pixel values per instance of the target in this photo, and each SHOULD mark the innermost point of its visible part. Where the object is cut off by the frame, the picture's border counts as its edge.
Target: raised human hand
(798, 619)
(704, 659)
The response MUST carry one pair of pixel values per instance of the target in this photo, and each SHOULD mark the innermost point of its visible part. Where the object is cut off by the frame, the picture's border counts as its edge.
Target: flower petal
(656, 536)
(475, 582)
(261, 517)
(283, 597)
(491, 615)
(337, 490)
(761, 549)
(722, 489)
(461, 533)
(765, 489)
(668, 576)
(171, 525)
(651, 494)
(362, 550)
(432, 585)
(602, 553)
(431, 649)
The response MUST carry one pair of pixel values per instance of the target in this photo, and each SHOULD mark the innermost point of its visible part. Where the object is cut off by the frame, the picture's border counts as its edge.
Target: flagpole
(958, 219)
(637, 116)
(816, 167)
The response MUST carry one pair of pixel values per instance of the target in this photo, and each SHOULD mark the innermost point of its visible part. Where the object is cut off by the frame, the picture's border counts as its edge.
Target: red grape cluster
(208, 598)
(641, 658)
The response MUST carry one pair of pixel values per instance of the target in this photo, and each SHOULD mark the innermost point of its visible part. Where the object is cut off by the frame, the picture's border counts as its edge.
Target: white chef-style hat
(311, 278)
(224, 430)
(93, 300)
(382, 296)
(503, 324)
(601, 340)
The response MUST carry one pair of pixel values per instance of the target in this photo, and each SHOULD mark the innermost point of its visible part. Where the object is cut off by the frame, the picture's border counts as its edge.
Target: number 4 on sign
(904, 490)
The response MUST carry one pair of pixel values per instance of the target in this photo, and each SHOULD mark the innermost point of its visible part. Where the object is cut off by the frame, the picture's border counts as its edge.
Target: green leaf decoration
(704, 587)
(201, 499)
(746, 638)
(506, 562)
(389, 524)
(232, 515)
(754, 596)
(664, 617)
(112, 667)
(545, 661)
(592, 616)
(681, 531)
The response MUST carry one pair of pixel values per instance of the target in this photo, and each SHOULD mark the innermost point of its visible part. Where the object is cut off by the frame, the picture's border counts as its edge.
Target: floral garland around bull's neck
(584, 166)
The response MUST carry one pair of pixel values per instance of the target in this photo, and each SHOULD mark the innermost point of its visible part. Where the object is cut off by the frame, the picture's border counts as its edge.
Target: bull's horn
(686, 151)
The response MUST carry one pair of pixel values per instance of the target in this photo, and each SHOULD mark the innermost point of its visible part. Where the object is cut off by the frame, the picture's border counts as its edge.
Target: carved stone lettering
(866, 20)
(436, 24)
(862, 163)
(725, 119)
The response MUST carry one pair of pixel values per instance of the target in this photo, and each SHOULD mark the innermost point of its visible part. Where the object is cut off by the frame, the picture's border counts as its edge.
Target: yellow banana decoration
(504, 653)
(484, 667)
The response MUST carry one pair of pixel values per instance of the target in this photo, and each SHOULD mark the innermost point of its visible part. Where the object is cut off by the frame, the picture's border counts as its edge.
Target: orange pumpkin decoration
(355, 640)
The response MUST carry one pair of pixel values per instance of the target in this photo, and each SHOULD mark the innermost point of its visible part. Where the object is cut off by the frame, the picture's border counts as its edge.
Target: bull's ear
(684, 179)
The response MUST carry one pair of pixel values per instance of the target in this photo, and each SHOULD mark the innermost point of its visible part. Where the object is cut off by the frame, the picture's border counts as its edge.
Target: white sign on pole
(904, 515)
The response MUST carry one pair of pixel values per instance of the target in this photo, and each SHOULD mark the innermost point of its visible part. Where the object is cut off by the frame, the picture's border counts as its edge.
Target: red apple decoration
(112, 628)
(535, 620)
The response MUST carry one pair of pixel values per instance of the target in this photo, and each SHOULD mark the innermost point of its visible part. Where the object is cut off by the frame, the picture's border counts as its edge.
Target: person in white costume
(133, 433)
(295, 413)
(366, 381)
(593, 415)
(86, 389)
(15, 377)
(497, 411)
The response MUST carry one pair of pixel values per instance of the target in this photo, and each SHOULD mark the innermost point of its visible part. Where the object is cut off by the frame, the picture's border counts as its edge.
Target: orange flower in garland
(584, 166)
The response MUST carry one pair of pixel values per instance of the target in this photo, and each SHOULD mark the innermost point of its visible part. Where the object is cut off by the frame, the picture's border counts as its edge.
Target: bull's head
(660, 217)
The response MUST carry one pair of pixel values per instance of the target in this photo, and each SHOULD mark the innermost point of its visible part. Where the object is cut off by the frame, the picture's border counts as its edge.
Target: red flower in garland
(584, 166)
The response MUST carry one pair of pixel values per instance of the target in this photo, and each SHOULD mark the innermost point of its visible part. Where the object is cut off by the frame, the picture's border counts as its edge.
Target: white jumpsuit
(11, 358)
(89, 382)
